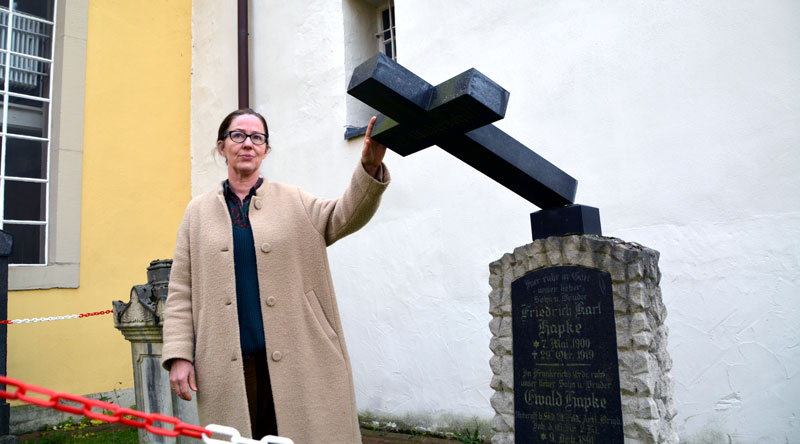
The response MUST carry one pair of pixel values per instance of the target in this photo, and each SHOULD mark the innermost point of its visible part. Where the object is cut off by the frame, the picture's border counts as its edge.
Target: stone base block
(646, 387)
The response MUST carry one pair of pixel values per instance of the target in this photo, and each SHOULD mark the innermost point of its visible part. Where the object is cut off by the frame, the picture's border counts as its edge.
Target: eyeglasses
(239, 137)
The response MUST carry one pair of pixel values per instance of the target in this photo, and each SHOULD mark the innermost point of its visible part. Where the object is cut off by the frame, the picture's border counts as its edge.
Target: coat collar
(261, 191)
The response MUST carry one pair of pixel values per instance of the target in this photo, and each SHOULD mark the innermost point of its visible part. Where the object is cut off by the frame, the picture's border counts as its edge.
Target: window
(386, 32)
(45, 123)
(26, 60)
(369, 28)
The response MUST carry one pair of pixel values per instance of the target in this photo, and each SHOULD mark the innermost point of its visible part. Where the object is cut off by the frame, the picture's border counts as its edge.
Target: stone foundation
(644, 364)
(29, 418)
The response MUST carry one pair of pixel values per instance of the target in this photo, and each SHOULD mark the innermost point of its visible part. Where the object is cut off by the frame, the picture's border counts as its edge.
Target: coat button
(225, 248)
(276, 356)
(257, 204)
(271, 301)
(228, 302)
(234, 358)
(266, 247)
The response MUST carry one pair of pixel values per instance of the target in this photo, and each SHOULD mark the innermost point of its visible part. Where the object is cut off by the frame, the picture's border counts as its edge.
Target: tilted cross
(456, 116)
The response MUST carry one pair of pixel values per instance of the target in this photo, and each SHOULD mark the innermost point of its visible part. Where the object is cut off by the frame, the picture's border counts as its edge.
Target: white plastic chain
(51, 318)
(56, 318)
(236, 438)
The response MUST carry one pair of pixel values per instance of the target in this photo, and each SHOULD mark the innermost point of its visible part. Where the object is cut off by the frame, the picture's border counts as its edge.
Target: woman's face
(243, 158)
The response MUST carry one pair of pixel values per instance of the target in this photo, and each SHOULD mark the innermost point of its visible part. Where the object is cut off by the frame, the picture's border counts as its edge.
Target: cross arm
(508, 162)
(418, 115)
(389, 87)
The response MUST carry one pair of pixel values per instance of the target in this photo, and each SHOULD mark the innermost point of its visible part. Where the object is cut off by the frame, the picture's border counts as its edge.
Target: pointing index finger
(369, 127)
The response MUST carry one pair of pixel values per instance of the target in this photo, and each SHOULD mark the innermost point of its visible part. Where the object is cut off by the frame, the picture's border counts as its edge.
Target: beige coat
(309, 366)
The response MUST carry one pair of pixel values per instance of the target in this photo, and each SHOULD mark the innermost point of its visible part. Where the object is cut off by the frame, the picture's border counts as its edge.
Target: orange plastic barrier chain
(55, 318)
(85, 406)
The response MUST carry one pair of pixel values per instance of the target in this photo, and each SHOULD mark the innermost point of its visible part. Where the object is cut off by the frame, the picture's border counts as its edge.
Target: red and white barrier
(55, 318)
(112, 413)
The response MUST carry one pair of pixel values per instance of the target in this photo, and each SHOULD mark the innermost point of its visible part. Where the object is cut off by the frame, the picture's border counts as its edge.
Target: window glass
(38, 8)
(29, 76)
(387, 24)
(29, 243)
(387, 48)
(26, 158)
(24, 200)
(3, 28)
(27, 117)
(31, 37)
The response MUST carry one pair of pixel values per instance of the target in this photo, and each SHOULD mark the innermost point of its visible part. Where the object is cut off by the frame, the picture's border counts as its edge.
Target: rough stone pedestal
(141, 321)
(644, 364)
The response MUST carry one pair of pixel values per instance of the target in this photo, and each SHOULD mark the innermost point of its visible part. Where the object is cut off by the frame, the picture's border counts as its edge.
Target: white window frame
(361, 19)
(382, 31)
(7, 55)
(68, 75)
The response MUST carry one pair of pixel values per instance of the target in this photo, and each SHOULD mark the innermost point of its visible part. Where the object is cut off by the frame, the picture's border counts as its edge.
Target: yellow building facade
(131, 168)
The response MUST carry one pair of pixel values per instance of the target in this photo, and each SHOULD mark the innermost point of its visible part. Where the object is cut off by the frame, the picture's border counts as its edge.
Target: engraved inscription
(566, 376)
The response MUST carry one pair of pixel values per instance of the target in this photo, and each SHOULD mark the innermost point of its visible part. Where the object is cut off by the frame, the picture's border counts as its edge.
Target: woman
(251, 321)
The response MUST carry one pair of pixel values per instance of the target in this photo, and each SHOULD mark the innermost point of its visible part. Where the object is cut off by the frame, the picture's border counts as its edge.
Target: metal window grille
(27, 32)
(387, 37)
(30, 39)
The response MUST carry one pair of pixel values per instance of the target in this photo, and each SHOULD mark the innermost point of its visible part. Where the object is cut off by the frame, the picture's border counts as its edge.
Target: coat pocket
(322, 320)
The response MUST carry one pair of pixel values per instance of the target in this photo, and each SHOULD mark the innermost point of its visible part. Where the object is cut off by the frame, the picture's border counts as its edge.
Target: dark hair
(226, 122)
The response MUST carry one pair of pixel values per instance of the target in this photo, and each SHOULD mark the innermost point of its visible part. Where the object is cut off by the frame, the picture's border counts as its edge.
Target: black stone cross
(457, 115)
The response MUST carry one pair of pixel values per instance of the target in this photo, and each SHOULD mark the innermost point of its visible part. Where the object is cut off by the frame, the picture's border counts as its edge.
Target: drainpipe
(6, 244)
(244, 78)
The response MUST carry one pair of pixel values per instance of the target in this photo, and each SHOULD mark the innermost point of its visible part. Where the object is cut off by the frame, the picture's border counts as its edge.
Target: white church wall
(680, 121)
(214, 91)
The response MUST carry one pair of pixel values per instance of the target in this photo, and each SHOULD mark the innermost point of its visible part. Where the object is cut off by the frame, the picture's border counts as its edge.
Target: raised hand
(373, 152)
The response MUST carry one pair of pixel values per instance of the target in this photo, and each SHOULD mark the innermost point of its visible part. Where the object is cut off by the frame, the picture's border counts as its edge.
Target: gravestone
(141, 322)
(580, 344)
(579, 339)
